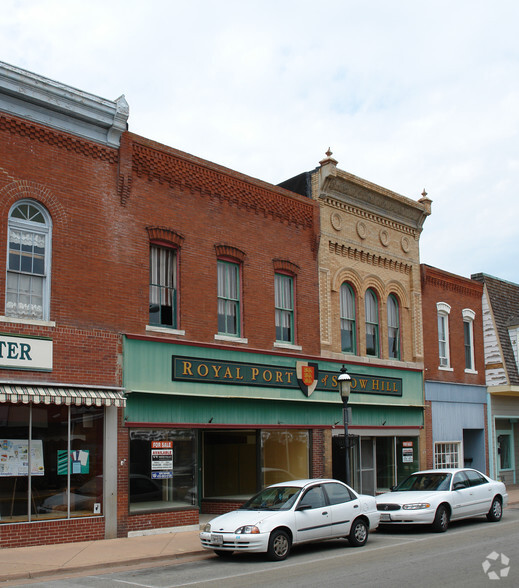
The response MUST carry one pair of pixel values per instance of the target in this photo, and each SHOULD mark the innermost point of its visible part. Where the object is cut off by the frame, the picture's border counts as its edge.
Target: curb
(124, 563)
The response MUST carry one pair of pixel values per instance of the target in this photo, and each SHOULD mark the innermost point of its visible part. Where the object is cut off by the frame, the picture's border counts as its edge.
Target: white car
(435, 497)
(289, 513)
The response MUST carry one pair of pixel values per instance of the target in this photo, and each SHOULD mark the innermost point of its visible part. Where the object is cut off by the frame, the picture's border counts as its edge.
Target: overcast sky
(408, 94)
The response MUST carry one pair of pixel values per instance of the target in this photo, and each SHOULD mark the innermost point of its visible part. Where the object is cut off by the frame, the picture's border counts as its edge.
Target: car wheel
(223, 553)
(441, 519)
(496, 510)
(358, 533)
(279, 545)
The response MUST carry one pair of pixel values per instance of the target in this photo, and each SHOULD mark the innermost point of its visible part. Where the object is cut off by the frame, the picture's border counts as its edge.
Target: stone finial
(426, 201)
(329, 159)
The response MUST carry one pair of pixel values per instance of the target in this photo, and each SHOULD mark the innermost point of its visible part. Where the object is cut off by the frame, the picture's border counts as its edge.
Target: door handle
(356, 506)
(324, 512)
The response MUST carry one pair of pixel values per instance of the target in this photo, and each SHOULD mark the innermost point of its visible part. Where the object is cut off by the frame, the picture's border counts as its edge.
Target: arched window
(28, 266)
(393, 327)
(348, 330)
(371, 308)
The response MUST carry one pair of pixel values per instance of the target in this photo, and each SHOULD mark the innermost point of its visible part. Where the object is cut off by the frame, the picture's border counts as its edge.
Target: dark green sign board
(194, 369)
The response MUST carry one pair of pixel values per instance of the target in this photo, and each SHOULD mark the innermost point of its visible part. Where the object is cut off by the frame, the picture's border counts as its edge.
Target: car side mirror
(304, 507)
(458, 486)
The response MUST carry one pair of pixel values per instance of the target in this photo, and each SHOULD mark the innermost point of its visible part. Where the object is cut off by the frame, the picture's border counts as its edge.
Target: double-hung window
(371, 308)
(28, 264)
(228, 298)
(393, 327)
(163, 286)
(348, 330)
(443, 334)
(284, 301)
(468, 335)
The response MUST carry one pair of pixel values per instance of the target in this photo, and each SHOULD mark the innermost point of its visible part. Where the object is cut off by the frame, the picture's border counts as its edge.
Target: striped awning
(61, 395)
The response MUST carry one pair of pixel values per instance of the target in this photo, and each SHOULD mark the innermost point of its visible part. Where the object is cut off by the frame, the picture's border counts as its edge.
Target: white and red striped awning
(61, 395)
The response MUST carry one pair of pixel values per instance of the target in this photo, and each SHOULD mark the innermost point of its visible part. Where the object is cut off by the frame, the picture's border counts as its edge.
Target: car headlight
(416, 506)
(246, 529)
(206, 528)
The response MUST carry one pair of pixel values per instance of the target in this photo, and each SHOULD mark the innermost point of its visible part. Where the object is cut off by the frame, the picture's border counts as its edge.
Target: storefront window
(162, 469)
(230, 464)
(406, 456)
(65, 470)
(284, 456)
(385, 463)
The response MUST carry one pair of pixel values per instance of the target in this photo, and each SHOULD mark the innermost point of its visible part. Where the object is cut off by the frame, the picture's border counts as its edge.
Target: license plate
(217, 539)
(385, 516)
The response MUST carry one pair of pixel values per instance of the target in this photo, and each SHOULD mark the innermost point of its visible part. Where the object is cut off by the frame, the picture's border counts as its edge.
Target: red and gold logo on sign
(307, 375)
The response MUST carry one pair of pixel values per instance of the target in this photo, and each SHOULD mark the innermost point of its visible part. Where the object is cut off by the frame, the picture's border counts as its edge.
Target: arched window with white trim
(348, 328)
(393, 327)
(371, 308)
(443, 310)
(28, 261)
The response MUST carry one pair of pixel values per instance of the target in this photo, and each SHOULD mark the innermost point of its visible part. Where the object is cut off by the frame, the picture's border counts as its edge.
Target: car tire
(223, 553)
(358, 533)
(441, 519)
(279, 545)
(496, 510)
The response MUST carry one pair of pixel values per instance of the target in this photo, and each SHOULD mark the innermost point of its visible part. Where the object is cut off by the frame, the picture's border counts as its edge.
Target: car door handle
(356, 506)
(324, 513)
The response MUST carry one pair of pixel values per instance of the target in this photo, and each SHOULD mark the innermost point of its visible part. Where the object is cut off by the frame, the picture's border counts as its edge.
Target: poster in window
(161, 460)
(79, 461)
(14, 457)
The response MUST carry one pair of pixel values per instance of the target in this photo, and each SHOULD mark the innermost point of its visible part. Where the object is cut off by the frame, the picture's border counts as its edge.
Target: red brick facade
(106, 206)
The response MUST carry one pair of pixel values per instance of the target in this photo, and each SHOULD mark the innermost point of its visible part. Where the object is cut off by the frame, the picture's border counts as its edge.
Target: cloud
(409, 95)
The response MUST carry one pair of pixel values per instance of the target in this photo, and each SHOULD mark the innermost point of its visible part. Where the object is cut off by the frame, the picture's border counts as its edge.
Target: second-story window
(393, 327)
(228, 298)
(371, 308)
(348, 330)
(443, 334)
(28, 265)
(468, 335)
(284, 301)
(163, 286)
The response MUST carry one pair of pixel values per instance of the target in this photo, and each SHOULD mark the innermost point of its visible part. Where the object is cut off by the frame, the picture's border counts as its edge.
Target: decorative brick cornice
(165, 235)
(189, 173)
(445, 284)
(369, 258)
(285, 266)
(58, 139)
(229, 251)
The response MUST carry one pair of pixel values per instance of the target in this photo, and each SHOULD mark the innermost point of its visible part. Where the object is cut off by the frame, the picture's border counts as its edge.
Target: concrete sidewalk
(30, 563)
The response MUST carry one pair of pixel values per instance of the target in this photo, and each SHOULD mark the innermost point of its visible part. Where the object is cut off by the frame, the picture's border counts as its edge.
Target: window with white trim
(228, 298)
(284, 302)
(447, 455)
(28, 263)
(443, 334)
(393, 327)
(371, 308)
(163, 286)
(468, 335)
(348, 328)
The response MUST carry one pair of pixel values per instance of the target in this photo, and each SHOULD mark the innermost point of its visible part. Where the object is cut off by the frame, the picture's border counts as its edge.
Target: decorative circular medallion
(384, 237)
(361, 230)
(404, 242)
(336, 221)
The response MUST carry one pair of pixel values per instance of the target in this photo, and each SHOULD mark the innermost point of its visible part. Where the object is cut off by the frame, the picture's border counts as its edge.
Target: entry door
(367, 466)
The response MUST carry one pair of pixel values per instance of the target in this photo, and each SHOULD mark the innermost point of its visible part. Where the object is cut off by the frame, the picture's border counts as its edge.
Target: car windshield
(273, 498)
(426, 482)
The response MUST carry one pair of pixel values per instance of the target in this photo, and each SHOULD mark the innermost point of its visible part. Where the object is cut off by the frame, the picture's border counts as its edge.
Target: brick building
(455, 391)
(160, 329)
(370, 318)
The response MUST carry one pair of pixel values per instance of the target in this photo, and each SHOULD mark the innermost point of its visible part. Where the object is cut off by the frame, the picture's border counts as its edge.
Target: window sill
(445, 368)
(230, 339)
(280, 345)
(471, 371)
(22, 321)
(164, 330)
